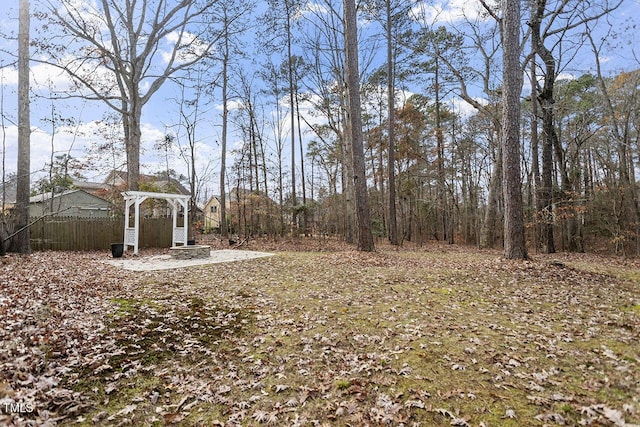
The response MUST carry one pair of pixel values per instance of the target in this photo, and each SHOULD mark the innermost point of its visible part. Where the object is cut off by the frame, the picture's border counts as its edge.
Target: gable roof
(171, 185)
(43, 197)
(89, 186)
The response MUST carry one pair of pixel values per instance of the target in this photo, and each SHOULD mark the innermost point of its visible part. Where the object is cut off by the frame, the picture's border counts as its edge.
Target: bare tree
(273, 79)
(324, 47)
(619, 118)
(394, 16)
(21, 240)
(229, 47)
(365, 236)
(190, 116)
(4, 224)
(281, 19)
(452, 53)
(112, 49)
(551, 24)
(391, 94)
(225, 123)
(546, 99)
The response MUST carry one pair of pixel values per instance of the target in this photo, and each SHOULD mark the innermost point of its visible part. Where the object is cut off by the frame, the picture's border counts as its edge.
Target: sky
(161, 115)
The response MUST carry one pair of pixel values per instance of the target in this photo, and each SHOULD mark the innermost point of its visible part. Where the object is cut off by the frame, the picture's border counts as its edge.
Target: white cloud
(311, 9)
(73, 141)
(190, 47)
(463, 108)
(231, 105)
(447, 11)
(8, 76)
(565, 76)
(150, 134)
(46, 77)
(88, 12)
(43, 78)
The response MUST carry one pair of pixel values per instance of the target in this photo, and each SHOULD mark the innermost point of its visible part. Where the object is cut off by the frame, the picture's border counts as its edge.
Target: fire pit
(190, 252)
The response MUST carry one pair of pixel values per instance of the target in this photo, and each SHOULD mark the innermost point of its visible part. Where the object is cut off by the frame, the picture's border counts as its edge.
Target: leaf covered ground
(322, 335)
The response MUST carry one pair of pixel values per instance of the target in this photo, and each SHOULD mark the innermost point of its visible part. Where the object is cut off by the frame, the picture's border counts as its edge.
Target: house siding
(78, 204)
(212, 214)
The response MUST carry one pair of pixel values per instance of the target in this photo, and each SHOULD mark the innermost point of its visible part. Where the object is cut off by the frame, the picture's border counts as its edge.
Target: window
(214, 209)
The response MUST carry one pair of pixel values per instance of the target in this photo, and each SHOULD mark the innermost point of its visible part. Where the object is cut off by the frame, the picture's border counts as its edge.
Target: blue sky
(161, 115)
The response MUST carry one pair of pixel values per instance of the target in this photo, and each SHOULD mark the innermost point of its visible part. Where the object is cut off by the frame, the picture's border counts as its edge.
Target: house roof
(90, 186)
(163, 184)
(43, 197)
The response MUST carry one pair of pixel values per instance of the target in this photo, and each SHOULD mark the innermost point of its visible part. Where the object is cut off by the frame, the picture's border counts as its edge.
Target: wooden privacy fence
(86, 234)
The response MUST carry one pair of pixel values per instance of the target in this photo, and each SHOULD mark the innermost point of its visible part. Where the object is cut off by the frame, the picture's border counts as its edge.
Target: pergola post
(131, 235)
(136, 226)
(174, 217)
(185, 219)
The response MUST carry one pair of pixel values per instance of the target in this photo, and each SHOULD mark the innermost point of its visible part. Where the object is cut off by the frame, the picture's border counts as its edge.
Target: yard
(320, 334)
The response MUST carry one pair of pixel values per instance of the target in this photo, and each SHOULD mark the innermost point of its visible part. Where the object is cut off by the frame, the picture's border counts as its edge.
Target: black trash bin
(117, 249)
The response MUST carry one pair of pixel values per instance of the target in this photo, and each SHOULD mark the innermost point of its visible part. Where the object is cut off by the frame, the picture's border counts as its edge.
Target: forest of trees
(502, 126)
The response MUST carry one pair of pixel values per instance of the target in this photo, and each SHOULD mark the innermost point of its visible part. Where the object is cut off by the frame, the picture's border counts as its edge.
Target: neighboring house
(157, 183)
(75, 203)
(153, 208)
(94, 188)
(7, 196)
(212, 214)
(116, 182)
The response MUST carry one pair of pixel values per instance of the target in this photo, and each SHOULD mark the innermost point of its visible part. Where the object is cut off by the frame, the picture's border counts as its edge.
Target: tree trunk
(535, 160)
(21, 241)
(348, 200)
(365, 235)
(305, 213)
(224, 231)
(514, 241)
(393, 224)
(546, 189)
(441, 190)
(133, 146)
(546, 99)
(489, 224)
(294, 198)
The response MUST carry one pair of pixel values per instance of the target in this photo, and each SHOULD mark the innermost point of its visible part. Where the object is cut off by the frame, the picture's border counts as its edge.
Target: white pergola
(131, 234)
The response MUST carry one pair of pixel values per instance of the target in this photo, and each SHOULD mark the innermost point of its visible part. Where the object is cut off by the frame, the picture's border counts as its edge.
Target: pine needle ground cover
(431, 336)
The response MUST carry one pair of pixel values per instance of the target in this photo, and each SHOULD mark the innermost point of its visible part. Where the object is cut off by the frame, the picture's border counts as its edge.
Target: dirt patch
(167, 262)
